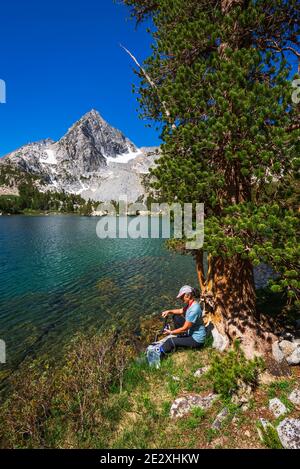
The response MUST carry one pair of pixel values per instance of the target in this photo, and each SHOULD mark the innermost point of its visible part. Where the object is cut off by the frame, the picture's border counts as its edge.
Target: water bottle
(153, 355)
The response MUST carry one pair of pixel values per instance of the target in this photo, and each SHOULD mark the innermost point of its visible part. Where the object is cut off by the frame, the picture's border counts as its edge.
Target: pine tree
(220, 83)
(87, 208)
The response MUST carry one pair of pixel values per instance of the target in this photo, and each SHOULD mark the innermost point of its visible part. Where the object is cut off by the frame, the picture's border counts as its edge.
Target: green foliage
(166, 407)
(86, 208)
(30, 198)
(10, 176)
(279, 388)
(136, 437)
(194, 420)
(51, 406)
(228, 370)
(270, 436)
(149, 406)
(229, 133)
(208, 341)
(135, 374)
(174, 387)
(10, 204)
(210, 434)
(103, 395)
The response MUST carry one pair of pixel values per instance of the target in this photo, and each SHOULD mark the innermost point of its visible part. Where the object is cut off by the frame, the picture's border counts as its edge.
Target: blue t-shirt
(194, 314)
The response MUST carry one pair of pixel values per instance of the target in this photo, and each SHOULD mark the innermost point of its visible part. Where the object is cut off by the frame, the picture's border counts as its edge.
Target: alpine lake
(58, 278)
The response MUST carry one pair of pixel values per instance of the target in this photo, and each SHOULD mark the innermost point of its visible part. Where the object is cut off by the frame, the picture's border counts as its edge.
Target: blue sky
(60, 59)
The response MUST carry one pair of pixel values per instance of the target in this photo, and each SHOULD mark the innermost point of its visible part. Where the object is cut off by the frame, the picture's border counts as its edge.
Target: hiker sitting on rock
(188, 323)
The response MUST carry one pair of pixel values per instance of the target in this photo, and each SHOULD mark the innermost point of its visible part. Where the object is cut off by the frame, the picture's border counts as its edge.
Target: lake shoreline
(124, 403)
(55, 270)
(30, 213)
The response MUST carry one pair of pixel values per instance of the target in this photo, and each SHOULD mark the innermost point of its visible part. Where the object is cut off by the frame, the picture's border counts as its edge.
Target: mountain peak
(93, 113)
(86, 160)
(91, 140)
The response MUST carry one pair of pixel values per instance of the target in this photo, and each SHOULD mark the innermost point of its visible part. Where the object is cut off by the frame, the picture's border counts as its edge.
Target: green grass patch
(279, 388)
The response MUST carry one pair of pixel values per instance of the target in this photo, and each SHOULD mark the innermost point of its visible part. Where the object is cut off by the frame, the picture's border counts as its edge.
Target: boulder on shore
(289, 433)
(277, 407)
(287, 350)
(183, 405)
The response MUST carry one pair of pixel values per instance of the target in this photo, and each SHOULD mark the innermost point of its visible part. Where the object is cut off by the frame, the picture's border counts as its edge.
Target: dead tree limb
(152, 84)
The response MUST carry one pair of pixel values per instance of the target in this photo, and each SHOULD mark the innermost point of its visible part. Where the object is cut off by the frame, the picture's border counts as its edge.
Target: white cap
(183, 290)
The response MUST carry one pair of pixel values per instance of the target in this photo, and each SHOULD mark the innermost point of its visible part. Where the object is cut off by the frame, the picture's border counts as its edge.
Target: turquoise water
(57, 278)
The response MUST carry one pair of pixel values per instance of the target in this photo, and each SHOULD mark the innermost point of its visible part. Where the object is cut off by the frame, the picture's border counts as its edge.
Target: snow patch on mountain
(51, 157)
(124, 158)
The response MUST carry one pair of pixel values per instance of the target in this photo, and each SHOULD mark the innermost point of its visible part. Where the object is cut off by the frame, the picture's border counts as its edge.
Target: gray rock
(294, 358)
(277, 407)
(277, 353)
(289, 433)
(201, 371)
(294, 397)
(287, 347)
(182, 405)
(220, 419)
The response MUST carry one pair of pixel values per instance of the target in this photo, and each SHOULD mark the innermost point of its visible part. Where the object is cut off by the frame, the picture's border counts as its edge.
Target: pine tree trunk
(230, 282)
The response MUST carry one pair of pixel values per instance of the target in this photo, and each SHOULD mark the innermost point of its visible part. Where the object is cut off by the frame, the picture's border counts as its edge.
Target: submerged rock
(289, 433)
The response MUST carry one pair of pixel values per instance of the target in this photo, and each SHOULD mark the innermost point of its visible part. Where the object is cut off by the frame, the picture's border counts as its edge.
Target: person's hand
(165, 313)
(167, 332)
